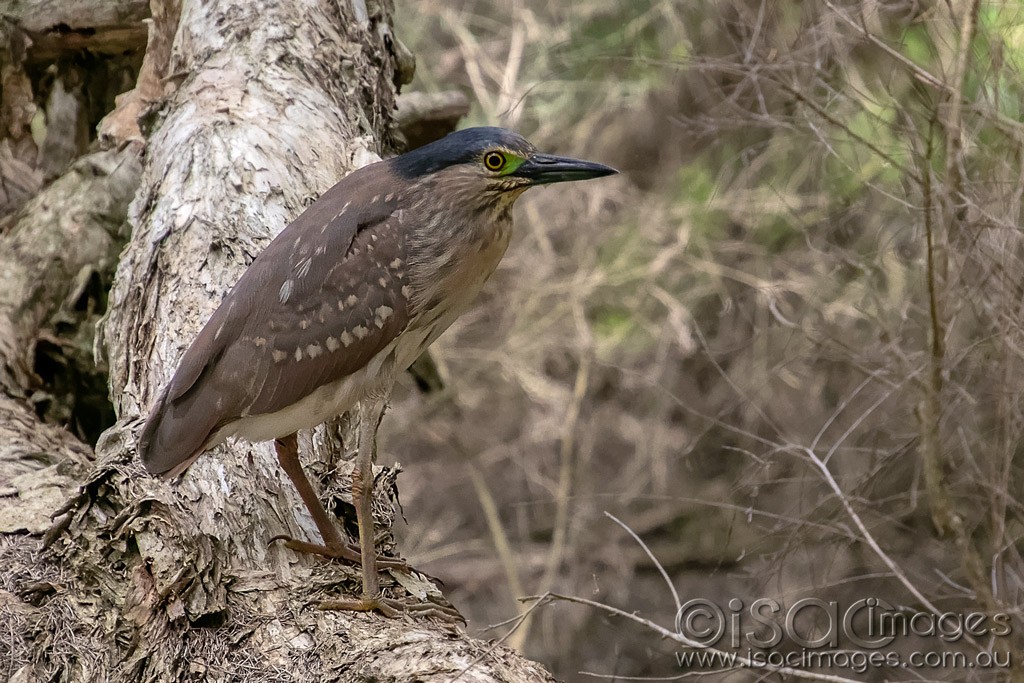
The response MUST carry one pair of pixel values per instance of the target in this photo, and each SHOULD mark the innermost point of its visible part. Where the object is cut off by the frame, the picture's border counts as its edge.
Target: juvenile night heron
(339, 303)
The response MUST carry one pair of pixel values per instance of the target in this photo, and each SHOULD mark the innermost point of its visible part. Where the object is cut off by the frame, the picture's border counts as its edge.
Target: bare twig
(869, 538)
(742, 662)
(654, 560)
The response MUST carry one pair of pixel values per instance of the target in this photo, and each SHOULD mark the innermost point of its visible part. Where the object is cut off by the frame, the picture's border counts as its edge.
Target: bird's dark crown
(460, 147)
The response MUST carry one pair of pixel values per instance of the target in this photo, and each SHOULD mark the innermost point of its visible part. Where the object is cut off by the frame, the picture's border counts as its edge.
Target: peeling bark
(146, 580)
(61, 65)
(425, 117)
(39, 466)
(69, 230)
(19, 177)
(58, 27)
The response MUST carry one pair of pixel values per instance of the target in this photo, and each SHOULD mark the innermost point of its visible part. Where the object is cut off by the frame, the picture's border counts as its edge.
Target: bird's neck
(452, 253)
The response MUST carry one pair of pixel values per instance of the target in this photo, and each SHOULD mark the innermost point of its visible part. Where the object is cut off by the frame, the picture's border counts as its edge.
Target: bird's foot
(392, 608)
(349, 552)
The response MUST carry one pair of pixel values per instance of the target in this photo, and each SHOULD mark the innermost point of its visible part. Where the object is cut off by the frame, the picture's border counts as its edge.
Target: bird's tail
(174, 436)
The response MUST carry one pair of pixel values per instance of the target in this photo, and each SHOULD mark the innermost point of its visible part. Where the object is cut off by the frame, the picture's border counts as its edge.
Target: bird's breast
(447, 283)
(447, 276)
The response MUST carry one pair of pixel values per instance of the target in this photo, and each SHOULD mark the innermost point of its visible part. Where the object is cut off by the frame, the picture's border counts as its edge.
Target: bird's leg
(334, 545)
(288, 455)
(371, 411)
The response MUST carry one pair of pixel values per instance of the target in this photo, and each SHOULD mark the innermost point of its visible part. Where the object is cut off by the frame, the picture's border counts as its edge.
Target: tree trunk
(255, 107)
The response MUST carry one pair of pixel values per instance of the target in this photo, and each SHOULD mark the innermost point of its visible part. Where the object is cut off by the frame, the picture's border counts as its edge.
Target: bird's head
(491, 164)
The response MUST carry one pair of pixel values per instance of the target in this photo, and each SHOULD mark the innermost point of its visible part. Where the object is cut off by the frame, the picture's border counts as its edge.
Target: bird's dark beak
(542, 169)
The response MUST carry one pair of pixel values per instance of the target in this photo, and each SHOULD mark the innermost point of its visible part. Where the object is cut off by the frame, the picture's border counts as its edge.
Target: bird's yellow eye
(494, 161)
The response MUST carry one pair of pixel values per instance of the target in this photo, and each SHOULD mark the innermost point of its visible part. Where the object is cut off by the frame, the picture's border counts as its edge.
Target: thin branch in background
(566, 456)
(872, 543)
(789, 222)
(661, 570)
(859, 421)
(516, 621)
(662, 632)
(498, 535)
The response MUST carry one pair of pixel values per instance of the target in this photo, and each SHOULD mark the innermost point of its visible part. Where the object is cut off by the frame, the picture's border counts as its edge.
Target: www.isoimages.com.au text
(852, 660)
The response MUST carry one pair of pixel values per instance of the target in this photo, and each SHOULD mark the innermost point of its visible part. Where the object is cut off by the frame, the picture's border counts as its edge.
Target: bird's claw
(389, 607)
(394, 608)
(349, 552)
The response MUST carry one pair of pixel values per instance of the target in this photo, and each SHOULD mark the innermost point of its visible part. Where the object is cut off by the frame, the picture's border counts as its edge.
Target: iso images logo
(811, 623)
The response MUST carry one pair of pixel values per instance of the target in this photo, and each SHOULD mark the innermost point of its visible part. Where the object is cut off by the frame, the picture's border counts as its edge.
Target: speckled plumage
(347, 295)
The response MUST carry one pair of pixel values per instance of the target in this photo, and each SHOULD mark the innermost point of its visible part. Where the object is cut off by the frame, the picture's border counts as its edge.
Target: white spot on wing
(360, 331)
(332, 344)
(286, 291)
(298, 353)
(346, 338)
(302, 267)
(384, 312)
(278, 355)
(314, 350)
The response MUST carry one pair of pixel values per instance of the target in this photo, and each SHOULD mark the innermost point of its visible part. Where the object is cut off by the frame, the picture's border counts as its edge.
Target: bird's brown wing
(341, 318)
(305, 313)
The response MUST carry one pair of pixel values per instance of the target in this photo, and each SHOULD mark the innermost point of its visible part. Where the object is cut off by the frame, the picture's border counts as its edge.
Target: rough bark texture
(61, 64)
(57, 27)
(65, 237)
(425, 117)
(265, 106)
(68, 232)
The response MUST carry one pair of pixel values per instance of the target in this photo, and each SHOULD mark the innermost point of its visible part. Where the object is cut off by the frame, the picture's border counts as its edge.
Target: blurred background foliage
(784, 346)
